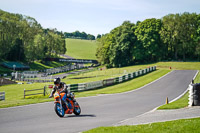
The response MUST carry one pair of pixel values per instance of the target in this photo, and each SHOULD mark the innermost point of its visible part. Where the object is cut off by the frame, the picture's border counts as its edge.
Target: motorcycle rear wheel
(59, 111)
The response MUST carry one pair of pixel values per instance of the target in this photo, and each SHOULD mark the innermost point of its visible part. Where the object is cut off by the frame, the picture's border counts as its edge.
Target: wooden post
(44, 90)
(24, 93)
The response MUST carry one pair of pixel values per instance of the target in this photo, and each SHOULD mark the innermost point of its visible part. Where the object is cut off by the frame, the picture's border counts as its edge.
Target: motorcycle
(61, 108)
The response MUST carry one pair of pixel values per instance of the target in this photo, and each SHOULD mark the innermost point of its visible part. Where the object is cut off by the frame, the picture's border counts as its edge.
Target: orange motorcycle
(61, 108)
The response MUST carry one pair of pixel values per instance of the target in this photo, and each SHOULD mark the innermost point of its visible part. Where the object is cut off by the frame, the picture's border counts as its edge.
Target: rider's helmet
(57, 81)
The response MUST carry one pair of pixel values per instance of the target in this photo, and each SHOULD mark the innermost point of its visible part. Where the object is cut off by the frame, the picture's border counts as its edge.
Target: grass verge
(180, 103)
(177, 126)
(126, 86)
(14, 93)
(15, 97)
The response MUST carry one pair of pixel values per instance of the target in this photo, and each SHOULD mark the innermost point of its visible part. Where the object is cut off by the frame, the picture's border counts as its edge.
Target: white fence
(108, 82)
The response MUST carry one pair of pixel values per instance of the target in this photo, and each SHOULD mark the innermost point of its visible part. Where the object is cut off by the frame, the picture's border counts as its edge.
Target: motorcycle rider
(62, 87)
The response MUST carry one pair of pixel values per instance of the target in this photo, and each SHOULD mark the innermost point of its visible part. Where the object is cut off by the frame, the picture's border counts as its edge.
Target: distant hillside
(81, 49)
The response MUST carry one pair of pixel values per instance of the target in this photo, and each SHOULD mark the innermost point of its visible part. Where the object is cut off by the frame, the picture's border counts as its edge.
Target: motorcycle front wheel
(59, 110)
(77, 108)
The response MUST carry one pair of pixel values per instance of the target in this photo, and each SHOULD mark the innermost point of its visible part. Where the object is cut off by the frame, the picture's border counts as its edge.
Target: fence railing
(96, 84)
(35, 92)
(36, 80)
(108, 82)
(2, 96)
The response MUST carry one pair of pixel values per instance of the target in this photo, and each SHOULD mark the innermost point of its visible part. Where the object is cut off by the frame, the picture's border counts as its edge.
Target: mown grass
(46, 65)
(81, 49)
(14, 93)
(96, 75)
(179, 65)
(180, 103)
(126, 86)
(177, 126)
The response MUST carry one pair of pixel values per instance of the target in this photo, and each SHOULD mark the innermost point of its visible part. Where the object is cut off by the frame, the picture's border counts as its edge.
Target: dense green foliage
(79, 35)
(116, 48)
(174, 37)
(23, 39)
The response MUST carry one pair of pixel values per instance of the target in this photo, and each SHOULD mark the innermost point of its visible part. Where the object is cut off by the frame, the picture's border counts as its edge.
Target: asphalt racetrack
(104, 110)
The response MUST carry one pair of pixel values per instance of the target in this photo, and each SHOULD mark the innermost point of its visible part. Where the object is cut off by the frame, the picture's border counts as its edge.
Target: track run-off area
(103, 110)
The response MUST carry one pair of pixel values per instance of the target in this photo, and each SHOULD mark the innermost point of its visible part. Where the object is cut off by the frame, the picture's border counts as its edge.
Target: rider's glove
(68, 95)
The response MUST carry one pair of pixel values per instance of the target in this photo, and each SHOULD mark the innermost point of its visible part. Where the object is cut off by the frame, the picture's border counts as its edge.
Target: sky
(96, 16)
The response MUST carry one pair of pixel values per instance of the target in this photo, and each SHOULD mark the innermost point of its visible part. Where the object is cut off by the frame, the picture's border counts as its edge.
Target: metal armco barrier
(130, 76)
(120, 79)
(2, 96)
(81, 87)
(93, 85)
(73, 87)
(116, 80)
(108, 82)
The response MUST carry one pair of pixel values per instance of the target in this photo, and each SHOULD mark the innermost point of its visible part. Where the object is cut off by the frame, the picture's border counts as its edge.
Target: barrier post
(44, 90)
(24, 93)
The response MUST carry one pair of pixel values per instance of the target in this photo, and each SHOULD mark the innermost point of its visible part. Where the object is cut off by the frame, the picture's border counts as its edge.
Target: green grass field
(178, 126)
(40, 66)
(180, 103)
(97, 74)
(81, 49)
(14, 93)
(179, 65)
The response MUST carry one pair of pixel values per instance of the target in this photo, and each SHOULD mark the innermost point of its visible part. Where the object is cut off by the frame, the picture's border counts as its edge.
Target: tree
(98, 36)
(197, 50)
(187, 34)
(149, 43)
(179, 34)
(115, 48)
(23, 39)
(79, 35)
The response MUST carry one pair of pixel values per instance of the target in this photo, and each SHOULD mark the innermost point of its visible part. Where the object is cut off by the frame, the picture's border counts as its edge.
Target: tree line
(174, 37)
(23, 39)
(79, 35)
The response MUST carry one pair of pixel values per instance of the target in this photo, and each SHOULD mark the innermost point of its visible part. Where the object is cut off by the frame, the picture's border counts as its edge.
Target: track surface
(97, 111)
